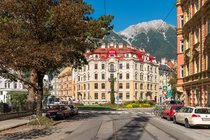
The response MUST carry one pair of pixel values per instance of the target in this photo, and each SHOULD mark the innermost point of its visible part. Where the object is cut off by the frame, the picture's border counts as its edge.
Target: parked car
(193, 116)
(170, 110)
(73, 110)
(58, 112)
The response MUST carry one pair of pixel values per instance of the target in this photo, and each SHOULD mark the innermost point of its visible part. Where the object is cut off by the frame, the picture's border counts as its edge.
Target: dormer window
(96, 56)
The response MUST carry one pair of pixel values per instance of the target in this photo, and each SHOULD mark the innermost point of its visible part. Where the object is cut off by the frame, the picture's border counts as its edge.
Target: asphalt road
(133, 125)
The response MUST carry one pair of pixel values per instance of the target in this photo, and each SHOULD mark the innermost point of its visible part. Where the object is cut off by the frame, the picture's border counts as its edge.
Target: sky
(130, 12)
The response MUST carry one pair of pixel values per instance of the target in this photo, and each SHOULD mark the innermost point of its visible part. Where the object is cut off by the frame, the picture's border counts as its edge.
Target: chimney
(163, 61)
(120, 45)
(103, 45)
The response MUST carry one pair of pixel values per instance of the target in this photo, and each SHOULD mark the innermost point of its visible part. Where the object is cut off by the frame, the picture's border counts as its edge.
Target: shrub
(129, 106)
(135, 105)
(146, 105)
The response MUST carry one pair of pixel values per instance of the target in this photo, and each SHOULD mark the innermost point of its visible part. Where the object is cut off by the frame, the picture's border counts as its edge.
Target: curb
(4, 129)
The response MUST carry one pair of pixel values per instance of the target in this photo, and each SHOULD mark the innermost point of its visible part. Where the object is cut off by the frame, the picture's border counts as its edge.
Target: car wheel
(168, 118)
(174, 120)
(186, 124)
(161, 115)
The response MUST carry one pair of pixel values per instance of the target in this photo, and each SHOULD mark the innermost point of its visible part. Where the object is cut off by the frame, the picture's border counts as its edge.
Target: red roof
(120, 53)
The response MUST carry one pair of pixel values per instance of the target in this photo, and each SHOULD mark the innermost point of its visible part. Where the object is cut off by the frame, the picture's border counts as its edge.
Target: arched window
(111, 67)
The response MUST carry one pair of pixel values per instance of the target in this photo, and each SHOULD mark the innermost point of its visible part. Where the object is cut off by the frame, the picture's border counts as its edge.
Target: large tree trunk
(40, 77)
(32, 90)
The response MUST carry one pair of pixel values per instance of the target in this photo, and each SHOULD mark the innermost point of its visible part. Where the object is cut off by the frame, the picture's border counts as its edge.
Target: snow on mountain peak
(133, 30)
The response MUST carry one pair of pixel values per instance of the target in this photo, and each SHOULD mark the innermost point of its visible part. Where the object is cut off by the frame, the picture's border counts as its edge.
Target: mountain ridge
(156, 37)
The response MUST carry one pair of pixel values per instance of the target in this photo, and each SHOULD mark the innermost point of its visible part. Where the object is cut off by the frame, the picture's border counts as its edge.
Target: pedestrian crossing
(119, 112)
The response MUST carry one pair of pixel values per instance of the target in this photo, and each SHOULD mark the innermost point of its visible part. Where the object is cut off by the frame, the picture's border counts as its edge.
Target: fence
(6, 116)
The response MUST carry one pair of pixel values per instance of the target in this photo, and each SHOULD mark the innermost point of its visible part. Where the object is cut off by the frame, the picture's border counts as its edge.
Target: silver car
(193, 116)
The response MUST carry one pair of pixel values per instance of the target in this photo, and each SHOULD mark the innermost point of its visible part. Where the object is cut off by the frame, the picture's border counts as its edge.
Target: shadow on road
(35, 133)
(133, 130)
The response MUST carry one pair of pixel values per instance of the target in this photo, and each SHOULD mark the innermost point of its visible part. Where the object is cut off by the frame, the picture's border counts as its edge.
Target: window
(96, 96)
(111, 67)
(181, 21)
(111, 75)
(127, 76)
(88, 86)
(196, 5)
(141, 95)
(127, 66)
(102, 85)
(147, 68)
(127, 85)
(120, 66)
(181, 46)
(96, 66)
(181, 71)
(155, 87)
(84, 96)
(135, 66)
(120, 85)
(120, 76)
(102, 76)
(141, 76)
(96, 76)
(8, 85)
(103, 96)
(120, 96)
(147, 86)
(136, 85)
(127, 95)
(141, 86)
(141, 67)
(196, 35)
(102, 66)
(151, 87)
(96, 85)
(136, 76)
(88, 76)
(84, 87)
(15, 85)
(5, 85)
(1, 92)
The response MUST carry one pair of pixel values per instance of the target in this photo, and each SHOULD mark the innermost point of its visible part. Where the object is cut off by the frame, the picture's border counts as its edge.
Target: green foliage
(129, 106)
(42, 36)
(112, 98)
(41, 121)
(173, 82)
(145, 105)
(18, 100)
(135, 105)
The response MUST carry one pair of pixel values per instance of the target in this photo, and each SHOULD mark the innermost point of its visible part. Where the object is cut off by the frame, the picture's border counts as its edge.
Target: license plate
(206, 119)
(53, 116)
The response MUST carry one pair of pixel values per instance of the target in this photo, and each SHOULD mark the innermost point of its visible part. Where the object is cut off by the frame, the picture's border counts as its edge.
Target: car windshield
(177, 108)
(57, 107)
(202, 111)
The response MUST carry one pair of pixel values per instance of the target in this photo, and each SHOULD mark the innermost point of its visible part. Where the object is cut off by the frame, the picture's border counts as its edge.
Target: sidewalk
(6, 124)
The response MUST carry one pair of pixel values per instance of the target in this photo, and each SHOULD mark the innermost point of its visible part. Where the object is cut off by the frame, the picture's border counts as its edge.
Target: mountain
(157, 37)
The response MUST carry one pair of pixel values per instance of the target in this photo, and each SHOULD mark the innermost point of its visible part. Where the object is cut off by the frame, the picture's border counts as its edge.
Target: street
(134, 125)
(131, 124)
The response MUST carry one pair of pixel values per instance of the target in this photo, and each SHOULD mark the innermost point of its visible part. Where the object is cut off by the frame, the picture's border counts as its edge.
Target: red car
(58, 112)
(170, 111)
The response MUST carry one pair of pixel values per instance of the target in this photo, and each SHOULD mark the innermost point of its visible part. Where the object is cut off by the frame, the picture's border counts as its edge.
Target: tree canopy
(44, 35)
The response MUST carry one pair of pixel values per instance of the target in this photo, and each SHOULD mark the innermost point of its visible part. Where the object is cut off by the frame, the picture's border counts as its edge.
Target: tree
(41, 36)
(18, 99)
(112, 98)
(173, 82)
